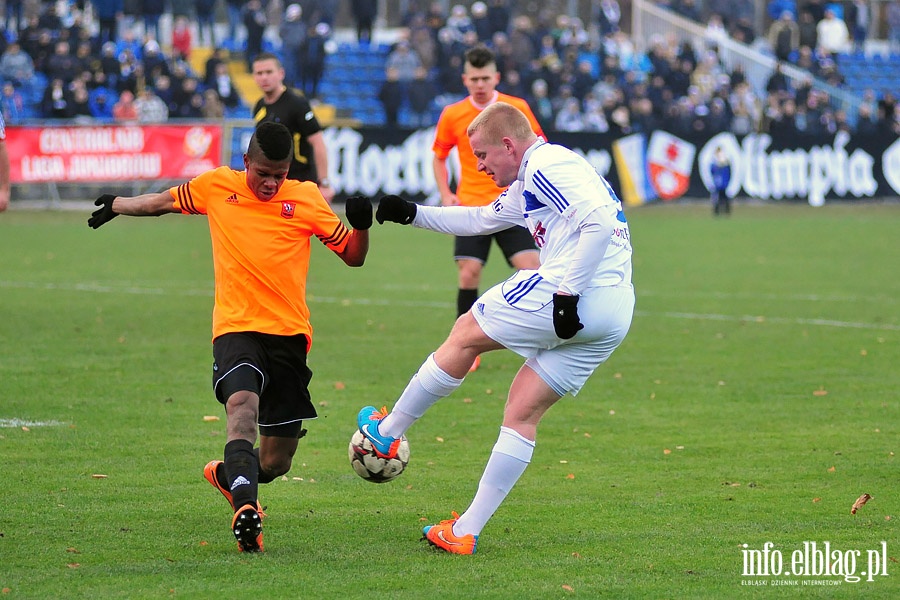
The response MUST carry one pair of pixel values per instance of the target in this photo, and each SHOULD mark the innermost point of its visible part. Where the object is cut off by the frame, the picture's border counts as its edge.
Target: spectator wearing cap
(293, 35)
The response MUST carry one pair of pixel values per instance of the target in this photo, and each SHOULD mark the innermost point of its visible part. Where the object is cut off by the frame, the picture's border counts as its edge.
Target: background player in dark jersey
(291, 108)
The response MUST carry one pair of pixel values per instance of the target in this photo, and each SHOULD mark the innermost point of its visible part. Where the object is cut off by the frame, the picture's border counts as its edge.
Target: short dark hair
(272, 140)
(480, 56)
(267, 56)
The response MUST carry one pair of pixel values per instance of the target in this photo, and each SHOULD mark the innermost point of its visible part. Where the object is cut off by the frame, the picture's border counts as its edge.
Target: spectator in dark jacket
(391, 96)
(62, 64)
(421, 94)
(57, 101)
(108, 14)
(364, 12)
(254, 18)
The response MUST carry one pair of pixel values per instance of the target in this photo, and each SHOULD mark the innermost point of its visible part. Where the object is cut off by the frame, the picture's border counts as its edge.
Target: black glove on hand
(395, 209)
(359, 212)
(104, 213)
(565, 316)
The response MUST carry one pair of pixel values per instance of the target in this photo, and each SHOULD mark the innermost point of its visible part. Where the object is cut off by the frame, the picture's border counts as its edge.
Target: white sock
(426, 387)
(509, 458)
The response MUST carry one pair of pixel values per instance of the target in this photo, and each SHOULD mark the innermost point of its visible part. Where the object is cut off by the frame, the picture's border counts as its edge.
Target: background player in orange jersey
(474, 188)
(260, 224)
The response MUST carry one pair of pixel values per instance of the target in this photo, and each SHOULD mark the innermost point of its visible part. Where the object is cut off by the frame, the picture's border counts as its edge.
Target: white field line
(16, 423)
(137, 289)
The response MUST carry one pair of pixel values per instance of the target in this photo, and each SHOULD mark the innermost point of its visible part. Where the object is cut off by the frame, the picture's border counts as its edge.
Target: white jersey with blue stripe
(559, 197)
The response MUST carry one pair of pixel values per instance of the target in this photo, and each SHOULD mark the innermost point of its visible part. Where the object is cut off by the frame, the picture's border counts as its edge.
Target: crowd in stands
(576, 75)
(590, 76)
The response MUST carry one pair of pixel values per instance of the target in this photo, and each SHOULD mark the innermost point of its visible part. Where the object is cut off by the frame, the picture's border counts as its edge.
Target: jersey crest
(287, 210)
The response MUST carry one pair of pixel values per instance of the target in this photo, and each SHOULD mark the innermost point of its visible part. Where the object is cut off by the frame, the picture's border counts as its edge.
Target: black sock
(464, 300)
(242, 472)
(263, 476)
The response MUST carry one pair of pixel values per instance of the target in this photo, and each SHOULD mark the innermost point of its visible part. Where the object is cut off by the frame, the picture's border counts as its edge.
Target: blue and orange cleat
(367, 421)
(247, 528)
(442, 536)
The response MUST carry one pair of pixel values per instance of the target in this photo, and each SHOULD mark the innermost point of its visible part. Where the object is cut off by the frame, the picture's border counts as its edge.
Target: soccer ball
(372, 467)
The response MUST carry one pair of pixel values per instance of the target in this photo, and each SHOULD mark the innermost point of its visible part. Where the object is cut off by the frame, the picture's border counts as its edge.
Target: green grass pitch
(754, 400)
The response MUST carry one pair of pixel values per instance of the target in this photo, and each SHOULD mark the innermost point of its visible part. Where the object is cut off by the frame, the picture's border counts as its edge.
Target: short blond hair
(501, 120)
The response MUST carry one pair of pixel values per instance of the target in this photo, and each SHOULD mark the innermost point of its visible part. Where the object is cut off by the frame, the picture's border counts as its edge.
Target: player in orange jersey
(260, 224)
(475, 188)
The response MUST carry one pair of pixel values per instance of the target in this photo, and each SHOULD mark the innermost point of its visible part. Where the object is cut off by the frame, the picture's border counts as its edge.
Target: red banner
(112, 153)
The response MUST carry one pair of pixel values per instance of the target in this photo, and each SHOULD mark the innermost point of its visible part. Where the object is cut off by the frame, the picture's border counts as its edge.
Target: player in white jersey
(565, 318)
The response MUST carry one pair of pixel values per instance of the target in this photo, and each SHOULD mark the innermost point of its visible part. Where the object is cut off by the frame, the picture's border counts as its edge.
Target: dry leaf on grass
(339, 385)
(859, 503)
(820, 392)
(209, 418)
(568, 588)
(99, 476)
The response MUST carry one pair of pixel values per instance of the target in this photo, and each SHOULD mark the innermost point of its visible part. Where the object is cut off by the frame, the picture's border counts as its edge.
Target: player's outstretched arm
(145, 205)
(358, 210)
(396, 210)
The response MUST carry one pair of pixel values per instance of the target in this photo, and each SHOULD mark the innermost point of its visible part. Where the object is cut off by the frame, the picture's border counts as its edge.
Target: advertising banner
(110, 153)
(643, 168)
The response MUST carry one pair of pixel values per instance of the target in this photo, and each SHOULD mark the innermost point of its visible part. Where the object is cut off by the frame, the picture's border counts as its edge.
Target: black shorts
(273, 367)
(476, 247)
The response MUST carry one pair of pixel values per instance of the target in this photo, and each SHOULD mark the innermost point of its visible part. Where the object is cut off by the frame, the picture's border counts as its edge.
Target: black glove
(359, 212)
(104, 213)
(565, 316)
(395, 209)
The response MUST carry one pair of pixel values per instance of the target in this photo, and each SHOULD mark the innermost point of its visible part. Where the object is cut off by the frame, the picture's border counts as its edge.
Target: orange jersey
(474, 188)
(260, 249)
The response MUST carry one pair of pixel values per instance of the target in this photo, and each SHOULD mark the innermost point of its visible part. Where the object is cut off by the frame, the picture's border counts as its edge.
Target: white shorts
(518, 313)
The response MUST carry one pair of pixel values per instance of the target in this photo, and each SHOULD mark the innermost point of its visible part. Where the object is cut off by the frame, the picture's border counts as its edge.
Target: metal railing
(649, 20)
